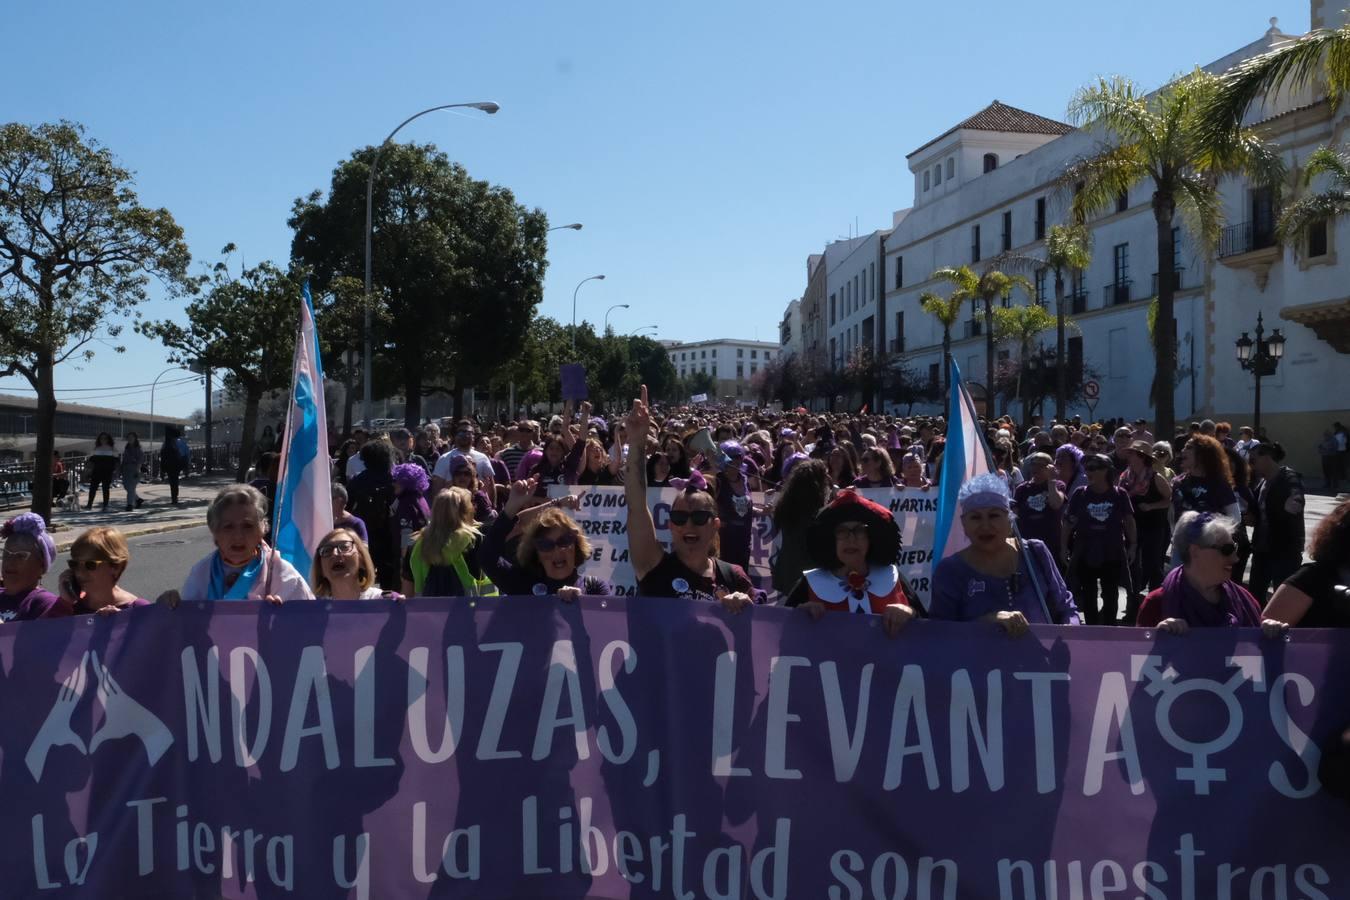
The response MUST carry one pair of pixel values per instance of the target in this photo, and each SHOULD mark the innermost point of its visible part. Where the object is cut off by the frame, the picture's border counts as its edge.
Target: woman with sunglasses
(878, 470)
(1099, 523)
(538, 549)
(98, 560)
(28, 554)
(691, 569)
(343, 569)
(1201, 592)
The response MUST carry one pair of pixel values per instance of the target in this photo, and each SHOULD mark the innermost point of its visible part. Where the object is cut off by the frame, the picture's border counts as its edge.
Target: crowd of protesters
(1204, 528)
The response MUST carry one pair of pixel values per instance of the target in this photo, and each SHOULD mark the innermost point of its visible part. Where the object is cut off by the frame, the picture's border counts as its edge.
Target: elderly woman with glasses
(536, 548)
(1201, 591)
(998, 578)
(343, 569)
(28, 554)
(98, 560)
(242, 567)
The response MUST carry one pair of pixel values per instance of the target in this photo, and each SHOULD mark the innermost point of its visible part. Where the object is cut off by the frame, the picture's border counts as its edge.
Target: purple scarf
(1235, 609)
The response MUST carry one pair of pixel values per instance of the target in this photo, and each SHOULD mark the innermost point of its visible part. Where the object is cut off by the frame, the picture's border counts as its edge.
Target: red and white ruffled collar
(880, 581)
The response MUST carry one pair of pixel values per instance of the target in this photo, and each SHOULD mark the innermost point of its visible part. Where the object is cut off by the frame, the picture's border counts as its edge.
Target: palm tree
(988, 286)
(1160, 138)
(1333, 202)
(1320, 58)
(1021, 325)
(1067, 248)
(947, 310)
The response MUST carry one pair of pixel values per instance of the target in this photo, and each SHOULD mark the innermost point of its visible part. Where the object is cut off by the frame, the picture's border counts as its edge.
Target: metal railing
(1244, 238)
(1077, 301)
(1117, 293)
(16, 478)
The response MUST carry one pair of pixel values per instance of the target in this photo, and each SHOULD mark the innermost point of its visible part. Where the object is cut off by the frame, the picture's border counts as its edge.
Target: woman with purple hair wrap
(410, 511)
(29, 553)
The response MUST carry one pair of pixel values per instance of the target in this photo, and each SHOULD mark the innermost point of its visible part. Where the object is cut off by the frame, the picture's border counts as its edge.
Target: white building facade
(853, 273)
(790, 330)
(988, 186)
(732, 363)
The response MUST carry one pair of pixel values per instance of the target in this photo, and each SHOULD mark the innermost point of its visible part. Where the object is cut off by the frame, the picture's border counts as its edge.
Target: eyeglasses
(855, 530)
(699, 517)
(546, 545)
(1228, 549)
(338, 548)
(88, 565)
(21, 556)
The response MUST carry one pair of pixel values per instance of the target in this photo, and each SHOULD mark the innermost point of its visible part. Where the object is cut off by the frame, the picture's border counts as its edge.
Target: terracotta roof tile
(1002, 117)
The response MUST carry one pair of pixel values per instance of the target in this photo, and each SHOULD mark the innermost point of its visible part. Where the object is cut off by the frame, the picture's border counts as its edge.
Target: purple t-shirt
(1210, 495)
(1035, 517)
(33, 604)
(355, 524)
(1099, 524)
(961, 593)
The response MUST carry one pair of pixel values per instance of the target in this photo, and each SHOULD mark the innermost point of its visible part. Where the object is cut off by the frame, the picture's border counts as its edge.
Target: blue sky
(707, 148)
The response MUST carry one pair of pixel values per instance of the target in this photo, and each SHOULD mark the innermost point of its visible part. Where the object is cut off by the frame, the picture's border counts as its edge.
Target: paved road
(158, 561)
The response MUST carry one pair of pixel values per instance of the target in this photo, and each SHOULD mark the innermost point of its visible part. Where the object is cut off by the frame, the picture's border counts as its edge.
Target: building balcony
(1117, 293)
(1176, 283)
(1077, 301)
(1237, 240)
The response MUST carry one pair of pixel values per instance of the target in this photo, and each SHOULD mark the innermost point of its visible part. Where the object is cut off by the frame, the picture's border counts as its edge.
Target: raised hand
(521, 492)
(639, 419)
(124, 717)
(56, 730)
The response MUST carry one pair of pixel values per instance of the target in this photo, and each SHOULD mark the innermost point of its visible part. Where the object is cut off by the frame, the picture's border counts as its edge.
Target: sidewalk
(156, 515)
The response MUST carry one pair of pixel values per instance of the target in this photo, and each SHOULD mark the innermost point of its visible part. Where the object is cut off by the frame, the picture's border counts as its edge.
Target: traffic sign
(1092, 390)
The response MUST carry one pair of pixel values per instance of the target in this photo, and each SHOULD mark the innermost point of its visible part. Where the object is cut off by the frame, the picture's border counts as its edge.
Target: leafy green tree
(457, 264)
(1318, 59)
(988, 285)
(243, 325)
(700, 383)
(947, 311)
(77, 248)
(1160, 139)
(904, 386)
(649, 364)
(1068, 248)
(1022, 325)
(1331, 203)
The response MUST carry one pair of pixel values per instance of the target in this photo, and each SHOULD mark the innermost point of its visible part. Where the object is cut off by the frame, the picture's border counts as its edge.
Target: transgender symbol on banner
(123, 717)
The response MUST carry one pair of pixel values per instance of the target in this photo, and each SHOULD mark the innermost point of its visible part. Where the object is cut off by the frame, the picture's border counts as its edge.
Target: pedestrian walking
(100, 467)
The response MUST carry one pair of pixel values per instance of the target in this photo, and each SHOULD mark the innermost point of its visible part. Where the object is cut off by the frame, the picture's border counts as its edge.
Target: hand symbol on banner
(124, 717)
(56, 730)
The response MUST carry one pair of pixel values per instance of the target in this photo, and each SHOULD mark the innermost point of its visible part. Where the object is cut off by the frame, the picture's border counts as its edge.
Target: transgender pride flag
(304, 503)
(963, 457)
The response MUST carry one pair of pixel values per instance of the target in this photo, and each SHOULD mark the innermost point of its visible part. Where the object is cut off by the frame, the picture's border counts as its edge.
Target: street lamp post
(634, 332)
(486, 106)
(574, 308)
(610, 310)
(575, 226)
(1261, 357)
(153, 384)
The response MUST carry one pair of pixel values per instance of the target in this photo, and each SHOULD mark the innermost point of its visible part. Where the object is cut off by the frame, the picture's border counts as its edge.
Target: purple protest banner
(642, 748)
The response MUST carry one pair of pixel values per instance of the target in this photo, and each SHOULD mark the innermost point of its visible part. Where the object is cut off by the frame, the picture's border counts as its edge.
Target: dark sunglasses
(547, 545)
(681, 517)
(1228, 549)
(89, 565)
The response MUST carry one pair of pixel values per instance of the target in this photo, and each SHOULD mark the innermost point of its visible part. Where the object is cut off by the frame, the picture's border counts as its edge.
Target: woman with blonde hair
(98, 560)
(343, 569)
(443, 561)
(547, 553)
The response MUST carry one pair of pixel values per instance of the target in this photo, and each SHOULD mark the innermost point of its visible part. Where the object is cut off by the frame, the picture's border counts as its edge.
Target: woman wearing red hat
(855, 543)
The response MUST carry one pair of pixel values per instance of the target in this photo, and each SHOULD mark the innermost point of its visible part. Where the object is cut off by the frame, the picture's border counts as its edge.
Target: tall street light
(635, 331)
(486, 106)
(574, 308)
(575, 226)
(154, 384)
(1261, 357)
(610, 310)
